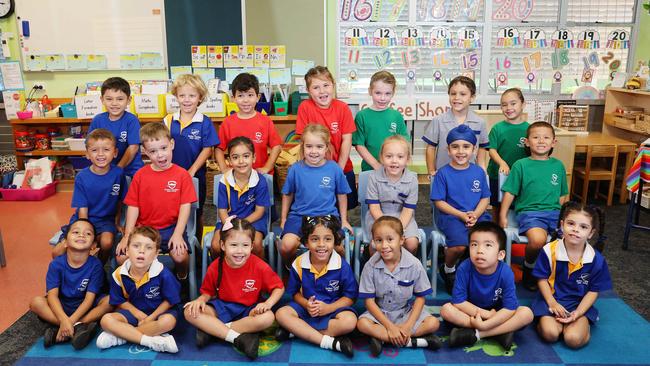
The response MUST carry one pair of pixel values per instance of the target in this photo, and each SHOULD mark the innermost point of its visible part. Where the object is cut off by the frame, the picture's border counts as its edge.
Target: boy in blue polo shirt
(484, 302)
(125, 126)
(74, 300)
(98, 192)
(193, 134)
(145, 294)
(461, 194)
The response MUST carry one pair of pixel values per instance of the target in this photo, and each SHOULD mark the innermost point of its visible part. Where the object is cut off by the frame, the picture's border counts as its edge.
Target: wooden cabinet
(619, 97)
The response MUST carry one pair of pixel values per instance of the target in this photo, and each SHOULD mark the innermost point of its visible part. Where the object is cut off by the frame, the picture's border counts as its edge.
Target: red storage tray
(21, 194)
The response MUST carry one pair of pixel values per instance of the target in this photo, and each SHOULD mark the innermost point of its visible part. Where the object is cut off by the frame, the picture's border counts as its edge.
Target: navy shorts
(166, 234)
(494, 192)
(131, 319)
(456, 233)
(353, 200)
(318, 322)
(546, 220)
(293, 225)
(230, 311)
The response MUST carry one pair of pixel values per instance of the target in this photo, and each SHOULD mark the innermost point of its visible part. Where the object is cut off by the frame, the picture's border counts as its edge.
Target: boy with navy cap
(461, 195)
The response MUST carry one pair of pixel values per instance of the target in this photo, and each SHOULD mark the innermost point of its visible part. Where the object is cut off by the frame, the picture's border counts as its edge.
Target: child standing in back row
(462, 92)
(324, 109)
(377, 122)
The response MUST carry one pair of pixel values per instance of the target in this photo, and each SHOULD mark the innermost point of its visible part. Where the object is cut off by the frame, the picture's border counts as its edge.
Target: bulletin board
(546, 47)
(72, 35)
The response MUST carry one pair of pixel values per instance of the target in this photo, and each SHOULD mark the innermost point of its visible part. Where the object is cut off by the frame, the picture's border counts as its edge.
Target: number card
(470, 60)
(438, 10)
(383, 59)
(440, 37)
(503, 62)
(411, 57)
(508, 37)
(512, 9)
(384, 37)
(562, 38)
(589, 39)
(468, 38)
(362, 10)
(618, 39)
(412, 36)
(396, 11)
(534, 38)
(440, 59)
(560, 58)
(355, 37)
(532, 62)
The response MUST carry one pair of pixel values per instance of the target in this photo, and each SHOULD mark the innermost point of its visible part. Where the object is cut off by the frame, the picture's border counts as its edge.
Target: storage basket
(643, 122)
(624, 119)
(26, 194)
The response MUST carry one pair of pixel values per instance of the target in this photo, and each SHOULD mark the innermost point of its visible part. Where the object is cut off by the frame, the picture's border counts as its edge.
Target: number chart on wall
(541, 46)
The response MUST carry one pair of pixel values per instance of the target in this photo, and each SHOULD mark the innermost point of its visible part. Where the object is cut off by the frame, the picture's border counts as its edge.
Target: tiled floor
(26, 228)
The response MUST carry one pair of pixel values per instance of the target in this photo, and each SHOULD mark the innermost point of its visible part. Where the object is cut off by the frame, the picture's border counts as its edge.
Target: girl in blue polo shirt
(313, 187)
(243, 193)
(323, 288)
(570, 275)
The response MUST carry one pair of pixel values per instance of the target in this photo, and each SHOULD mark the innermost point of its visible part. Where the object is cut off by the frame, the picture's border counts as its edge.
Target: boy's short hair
(147, 232)
(468, 82)
(243, 82)
(154, 131)
(539, 124)
(191, 80)
(116, 83)
(489, 227)
(100, 134)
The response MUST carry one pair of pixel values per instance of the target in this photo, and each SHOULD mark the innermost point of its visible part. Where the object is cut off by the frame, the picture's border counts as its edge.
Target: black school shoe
(505, 340)
(202, 338)
(345, 344)
(83, 333)
(376, 346)
(281, 334)
(433, 342)
(528, 281)
(449, 278)
(462, 337)
(248, 344)
(49, 337)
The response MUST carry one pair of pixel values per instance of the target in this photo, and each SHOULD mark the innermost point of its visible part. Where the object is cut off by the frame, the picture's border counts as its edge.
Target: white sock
(147, 341)
(477, 335)
(327, 342)
(417, 342)
(75, 324)
(451, 269)
(230, 337)
(529, 265)
(228, 324)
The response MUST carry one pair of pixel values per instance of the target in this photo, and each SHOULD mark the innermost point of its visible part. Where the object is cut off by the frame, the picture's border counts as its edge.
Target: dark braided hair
(331, 222)
(597, 220)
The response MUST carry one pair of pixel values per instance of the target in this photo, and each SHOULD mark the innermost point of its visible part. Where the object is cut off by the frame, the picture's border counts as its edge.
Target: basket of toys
(643, 122)
(288, 156)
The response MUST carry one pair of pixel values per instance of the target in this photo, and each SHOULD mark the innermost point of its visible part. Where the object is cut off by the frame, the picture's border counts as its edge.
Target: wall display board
(542, 46)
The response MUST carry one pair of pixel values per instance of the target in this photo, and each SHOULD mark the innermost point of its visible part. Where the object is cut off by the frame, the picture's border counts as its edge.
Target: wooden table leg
(3, 259)
(629, 160)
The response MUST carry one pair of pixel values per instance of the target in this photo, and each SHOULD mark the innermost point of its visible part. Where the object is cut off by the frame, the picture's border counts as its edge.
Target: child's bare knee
(446, 310)
(37, 303)
(167, 321)
(548, 334)
(575, 340)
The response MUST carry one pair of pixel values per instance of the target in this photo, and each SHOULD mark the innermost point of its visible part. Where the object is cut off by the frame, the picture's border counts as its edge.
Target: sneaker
(462, 337)
(528, 280)
(49, 337)
(433, 342)
(108, 340)
(202, 338)
(248, 344)
(164, 343)
(505, 340)
(376, 346)
(449, 278)
(345, 344)
(281, 334)
(83, 333)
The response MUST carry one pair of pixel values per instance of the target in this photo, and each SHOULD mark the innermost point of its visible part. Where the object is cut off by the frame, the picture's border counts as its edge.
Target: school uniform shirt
(337, 118)
(392, 197)
(157, 285)
(333, 282)
(190, 139)
(493, 291)
(259, 129)
(508, 140)
(242, 202)
(159, 194)
(570, 282)
(127, 132)
(242, 285)
(393, 291)
(537, 184)
(373, 127)
(99, 193)
(315, 188)
(461, 188)
(74, 283)
(436, 131)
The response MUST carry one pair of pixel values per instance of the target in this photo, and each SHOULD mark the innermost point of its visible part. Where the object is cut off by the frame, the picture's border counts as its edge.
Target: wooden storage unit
(613, 124)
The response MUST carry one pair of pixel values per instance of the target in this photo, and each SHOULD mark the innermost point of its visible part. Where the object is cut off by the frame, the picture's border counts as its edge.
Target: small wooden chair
(600, 165)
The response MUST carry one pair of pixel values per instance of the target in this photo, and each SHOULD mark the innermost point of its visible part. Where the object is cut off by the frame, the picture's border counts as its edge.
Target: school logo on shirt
(83, 285)
(249, 286)
(325, 182)
(123, 135)
(171, 187)
(258, 138)
(195, 134)
(583, 279)
(498, 293)
(153, 293)
(335, 128)
(393, 127)
(116, 190)
(476, 186)
(522, 142)
(250, 200)
(554, 179)
(333, 286)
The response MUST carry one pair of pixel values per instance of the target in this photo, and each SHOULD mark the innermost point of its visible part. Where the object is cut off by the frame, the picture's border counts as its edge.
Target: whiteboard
(111, 28)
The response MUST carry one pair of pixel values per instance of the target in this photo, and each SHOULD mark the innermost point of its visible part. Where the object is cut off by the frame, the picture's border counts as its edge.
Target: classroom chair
(600, 165)
(362, 234)
(269, 240)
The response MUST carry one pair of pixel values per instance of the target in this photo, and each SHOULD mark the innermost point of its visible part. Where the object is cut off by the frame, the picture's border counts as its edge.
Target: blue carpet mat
(620, 338)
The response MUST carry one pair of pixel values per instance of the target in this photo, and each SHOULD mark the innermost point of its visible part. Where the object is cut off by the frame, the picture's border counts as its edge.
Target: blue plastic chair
(269, 240)
(363, 233)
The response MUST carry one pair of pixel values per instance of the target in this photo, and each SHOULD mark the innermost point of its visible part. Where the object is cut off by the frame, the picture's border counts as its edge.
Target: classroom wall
(298, 24)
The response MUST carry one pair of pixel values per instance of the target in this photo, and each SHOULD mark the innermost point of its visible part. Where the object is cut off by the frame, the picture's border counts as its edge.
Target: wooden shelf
(66, 121)
(608, 121)
(630, 91)
(51, 153)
